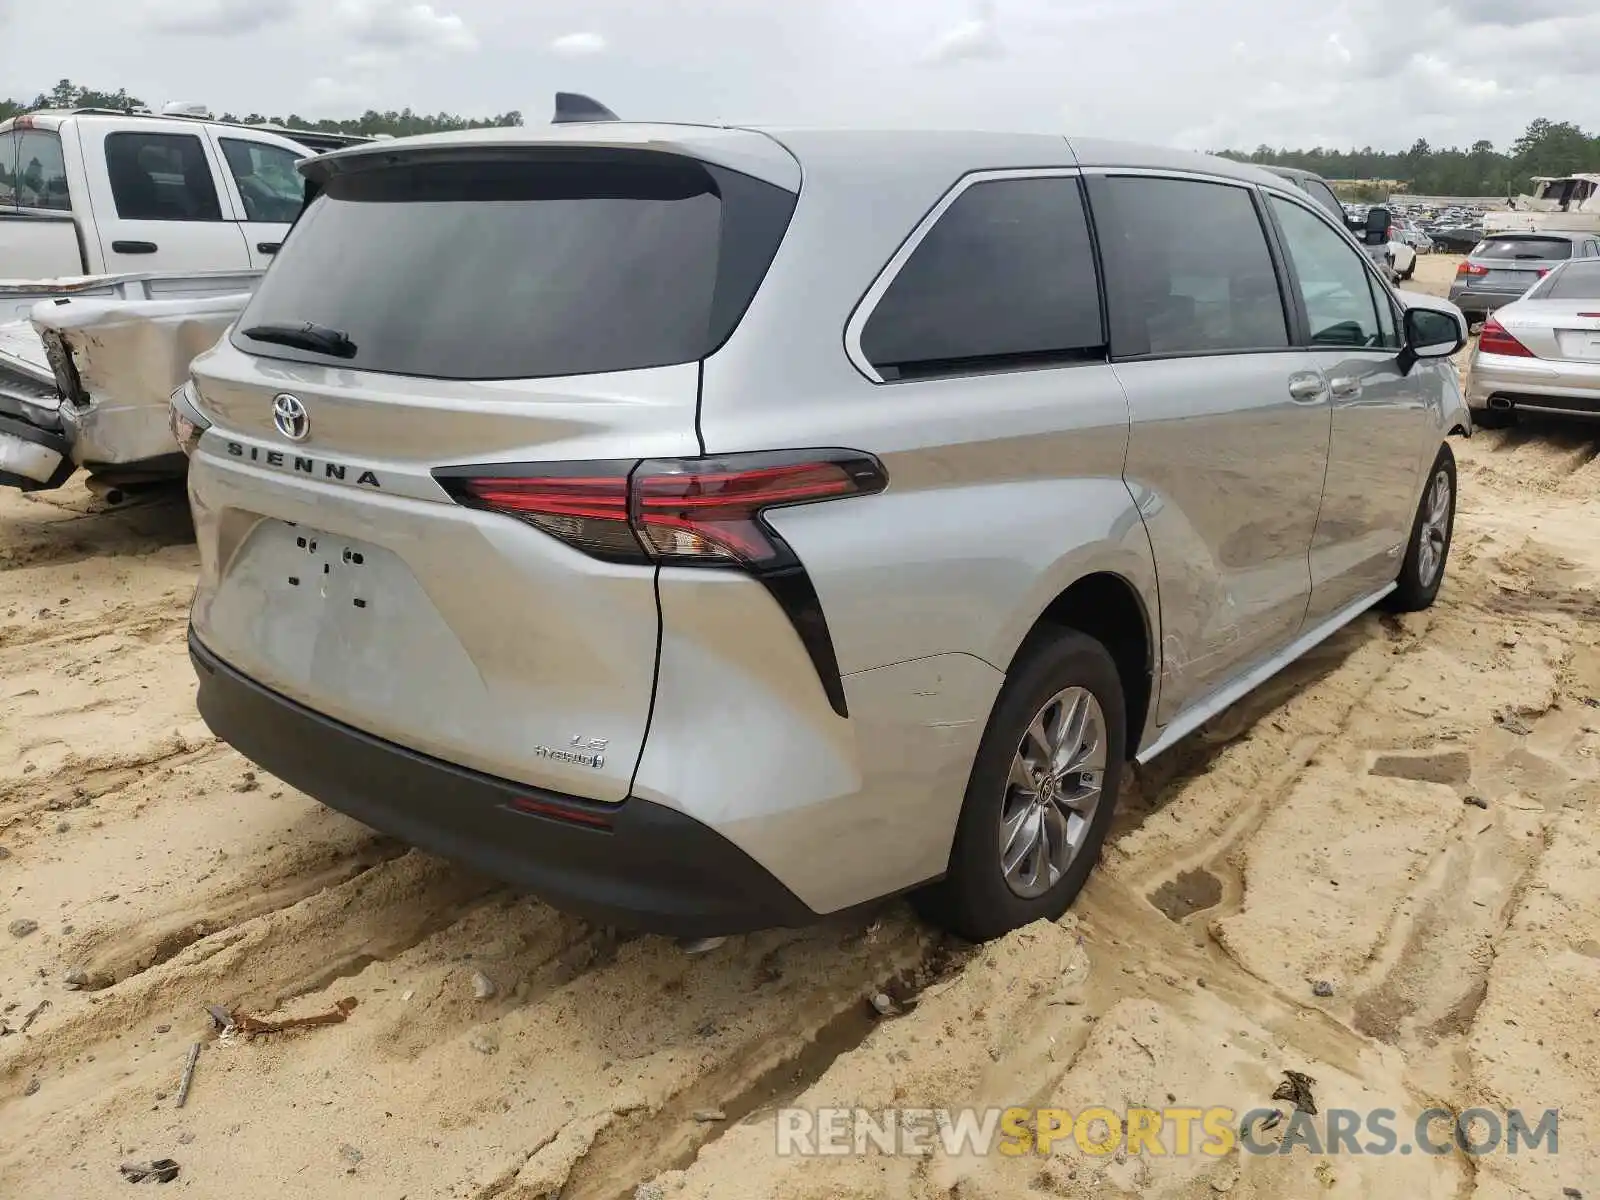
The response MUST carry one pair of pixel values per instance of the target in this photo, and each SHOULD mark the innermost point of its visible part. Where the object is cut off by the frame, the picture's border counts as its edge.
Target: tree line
(1545, 148)
(403, 123)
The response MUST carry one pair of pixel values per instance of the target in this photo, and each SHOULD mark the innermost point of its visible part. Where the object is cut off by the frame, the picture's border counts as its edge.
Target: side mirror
(1430, 333)
(1375, 229)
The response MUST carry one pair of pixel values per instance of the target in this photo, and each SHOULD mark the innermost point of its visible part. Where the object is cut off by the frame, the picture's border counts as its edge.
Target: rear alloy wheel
(1041, 795)
(1423, 569)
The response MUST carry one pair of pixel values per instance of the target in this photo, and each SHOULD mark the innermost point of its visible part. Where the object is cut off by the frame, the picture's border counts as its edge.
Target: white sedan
(1403, 258)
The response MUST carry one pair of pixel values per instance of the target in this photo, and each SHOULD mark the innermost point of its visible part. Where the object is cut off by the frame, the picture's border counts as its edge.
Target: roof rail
(574, 107)
(324, 139)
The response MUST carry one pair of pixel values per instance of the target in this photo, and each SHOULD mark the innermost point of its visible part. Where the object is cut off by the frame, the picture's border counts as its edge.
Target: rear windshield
(1524, 248)
(1577, 281)
(523, 267)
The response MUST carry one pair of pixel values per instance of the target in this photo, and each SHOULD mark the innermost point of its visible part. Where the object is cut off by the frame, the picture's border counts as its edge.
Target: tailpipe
(1500, 404)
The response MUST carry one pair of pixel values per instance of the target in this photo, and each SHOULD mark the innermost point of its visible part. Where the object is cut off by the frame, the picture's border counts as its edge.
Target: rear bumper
(1471, 300)
(652, 869)
(1534, 385)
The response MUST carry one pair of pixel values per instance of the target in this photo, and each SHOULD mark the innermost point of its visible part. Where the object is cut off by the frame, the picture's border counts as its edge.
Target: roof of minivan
(780, 154)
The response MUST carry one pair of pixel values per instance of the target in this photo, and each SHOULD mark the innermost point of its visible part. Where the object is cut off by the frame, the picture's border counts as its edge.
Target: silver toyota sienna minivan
(711, 529)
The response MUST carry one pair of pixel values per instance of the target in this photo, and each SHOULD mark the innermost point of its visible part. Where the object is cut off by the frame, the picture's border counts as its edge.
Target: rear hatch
(1513, 262)
(531, 310)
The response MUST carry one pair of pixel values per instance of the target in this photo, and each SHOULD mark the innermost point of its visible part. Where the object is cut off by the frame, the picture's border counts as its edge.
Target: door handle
(134, 247)
(1344, 388)
(1306, 389)
(268, 247)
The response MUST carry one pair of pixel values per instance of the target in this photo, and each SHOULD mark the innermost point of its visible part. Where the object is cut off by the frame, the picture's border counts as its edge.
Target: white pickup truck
(93, 192)
(130, 232)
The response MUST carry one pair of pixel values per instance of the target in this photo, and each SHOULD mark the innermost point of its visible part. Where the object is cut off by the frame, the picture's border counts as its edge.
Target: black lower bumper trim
(654, 869)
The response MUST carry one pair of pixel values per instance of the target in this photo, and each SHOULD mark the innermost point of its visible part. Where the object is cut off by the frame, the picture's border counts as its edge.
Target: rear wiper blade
(307, 336)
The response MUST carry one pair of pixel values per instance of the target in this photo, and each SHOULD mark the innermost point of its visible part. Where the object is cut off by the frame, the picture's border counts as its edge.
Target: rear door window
(1188, 269)
(523, 267)
(161, 177)
(1524, 248)
(270, 188)
(41, 172)
(1334, 282)
(1004, 279)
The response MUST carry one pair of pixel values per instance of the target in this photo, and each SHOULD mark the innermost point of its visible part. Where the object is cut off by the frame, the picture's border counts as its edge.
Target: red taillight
(1467, 268)
(691, 511)
(587, 508)
(688, 512)
(1495, 340)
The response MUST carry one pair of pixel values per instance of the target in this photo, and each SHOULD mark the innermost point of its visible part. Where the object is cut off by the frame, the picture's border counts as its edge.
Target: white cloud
(578, 45)
(216, 18)
(969, 40)
(401, 26)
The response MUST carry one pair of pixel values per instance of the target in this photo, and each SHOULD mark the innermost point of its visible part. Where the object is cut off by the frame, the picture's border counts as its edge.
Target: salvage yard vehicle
(1541, 354)
(97, 192)
(114, 217)
(707, 550)
(1503, 266)
(88, 382)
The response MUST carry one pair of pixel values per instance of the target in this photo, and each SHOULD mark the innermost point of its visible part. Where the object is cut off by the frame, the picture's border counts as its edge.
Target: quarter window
(1335, 284)
(1004, 279)
(161, 177)
(1188, 270)
(41, 172)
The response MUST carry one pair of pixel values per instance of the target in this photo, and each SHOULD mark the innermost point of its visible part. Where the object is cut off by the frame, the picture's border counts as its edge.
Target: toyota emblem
(289, 415)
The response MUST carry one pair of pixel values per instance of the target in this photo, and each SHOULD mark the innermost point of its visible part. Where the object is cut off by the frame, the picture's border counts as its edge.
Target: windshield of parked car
(1544, 248)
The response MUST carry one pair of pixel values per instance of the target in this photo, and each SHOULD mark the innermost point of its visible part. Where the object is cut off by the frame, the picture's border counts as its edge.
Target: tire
(1406, 278)
(1422, 572)
(976, 900)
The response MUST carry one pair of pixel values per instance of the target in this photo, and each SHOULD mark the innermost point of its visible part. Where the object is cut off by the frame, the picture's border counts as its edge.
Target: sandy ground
(1408, 818)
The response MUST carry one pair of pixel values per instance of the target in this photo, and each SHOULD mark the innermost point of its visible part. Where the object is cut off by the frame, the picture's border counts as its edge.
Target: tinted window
(8, 169)
(1576, 281)
(1523, 248)
(270, 187)
(1187, 268)
(524, 268)
(1333, 278)
(161, 177)
(1323, 195)
(1005, 277)
(41, 179)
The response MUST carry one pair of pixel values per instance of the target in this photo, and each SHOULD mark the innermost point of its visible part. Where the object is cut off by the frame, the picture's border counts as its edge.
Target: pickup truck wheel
(1041, 794)
(1423, 569)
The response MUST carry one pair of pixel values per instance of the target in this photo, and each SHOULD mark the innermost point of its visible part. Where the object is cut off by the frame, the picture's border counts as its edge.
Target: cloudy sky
(1207, 74)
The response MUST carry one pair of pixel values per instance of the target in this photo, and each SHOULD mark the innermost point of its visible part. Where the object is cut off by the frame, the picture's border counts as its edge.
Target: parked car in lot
(1541, 353)
(1503, 266)
(706, 550)
(1413, 235)
(1402, 259)
(92, 192)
